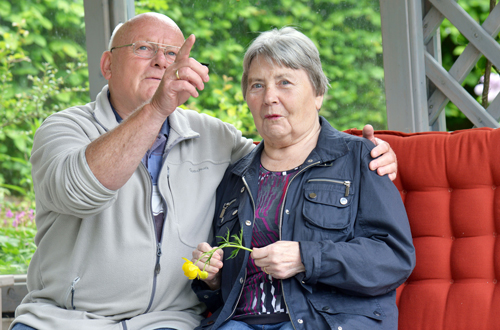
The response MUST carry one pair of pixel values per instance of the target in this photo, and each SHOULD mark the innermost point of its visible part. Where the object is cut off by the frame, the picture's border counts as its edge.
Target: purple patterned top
(262, 300)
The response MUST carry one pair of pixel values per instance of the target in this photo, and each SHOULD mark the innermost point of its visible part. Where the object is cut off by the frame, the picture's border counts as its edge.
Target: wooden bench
(12, 291)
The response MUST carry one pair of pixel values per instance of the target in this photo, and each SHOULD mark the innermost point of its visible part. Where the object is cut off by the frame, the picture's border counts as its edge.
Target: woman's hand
(281, 259)
(212, 268)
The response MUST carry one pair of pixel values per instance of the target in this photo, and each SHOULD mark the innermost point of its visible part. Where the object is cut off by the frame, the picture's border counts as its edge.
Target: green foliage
(347, 34)
(17, 232)
(42, 70)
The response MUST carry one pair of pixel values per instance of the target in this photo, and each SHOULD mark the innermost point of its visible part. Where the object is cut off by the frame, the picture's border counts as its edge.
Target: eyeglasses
(148, 49)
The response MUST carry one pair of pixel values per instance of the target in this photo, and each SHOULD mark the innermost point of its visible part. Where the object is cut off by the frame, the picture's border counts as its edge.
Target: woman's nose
(271, 96)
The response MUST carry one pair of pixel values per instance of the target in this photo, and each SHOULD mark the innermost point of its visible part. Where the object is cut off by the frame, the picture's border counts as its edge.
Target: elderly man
(125, 186)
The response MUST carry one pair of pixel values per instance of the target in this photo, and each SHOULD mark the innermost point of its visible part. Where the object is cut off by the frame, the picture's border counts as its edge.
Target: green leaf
(70, 50)
(5, 8)
(39, 40)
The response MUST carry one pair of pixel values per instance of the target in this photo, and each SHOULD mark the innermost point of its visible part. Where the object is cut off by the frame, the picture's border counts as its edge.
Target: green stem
(211, 252)
(235, 246)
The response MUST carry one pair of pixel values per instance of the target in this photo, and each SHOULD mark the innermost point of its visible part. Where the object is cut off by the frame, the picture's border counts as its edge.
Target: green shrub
(347, 34)
(17, 233)
(40, 74)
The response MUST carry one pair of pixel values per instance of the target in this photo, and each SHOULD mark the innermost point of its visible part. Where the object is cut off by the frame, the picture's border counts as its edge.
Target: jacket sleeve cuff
(310, 253)
(211, 298)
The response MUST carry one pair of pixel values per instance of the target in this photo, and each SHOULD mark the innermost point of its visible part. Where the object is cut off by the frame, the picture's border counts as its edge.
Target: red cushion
(448, 183)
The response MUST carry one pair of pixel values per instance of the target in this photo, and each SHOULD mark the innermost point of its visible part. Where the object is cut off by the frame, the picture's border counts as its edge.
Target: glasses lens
(148, 50)
(144, 49)
(170, 53)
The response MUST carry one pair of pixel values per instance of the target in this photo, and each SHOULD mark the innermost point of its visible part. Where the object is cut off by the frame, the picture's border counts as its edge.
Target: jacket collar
(104, 115)
(331, 145)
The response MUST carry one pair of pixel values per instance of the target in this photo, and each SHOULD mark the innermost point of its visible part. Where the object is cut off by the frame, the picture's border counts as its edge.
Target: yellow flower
(203, 274)
(190, 270)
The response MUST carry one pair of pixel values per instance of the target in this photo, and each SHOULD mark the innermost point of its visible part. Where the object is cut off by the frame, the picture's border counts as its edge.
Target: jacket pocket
(348, 312)
(227, 217)
(70, 294)
(228, 211)
(327, 203)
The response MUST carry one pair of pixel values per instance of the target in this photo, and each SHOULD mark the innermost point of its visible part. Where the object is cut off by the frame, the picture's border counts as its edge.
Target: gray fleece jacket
(97, 265)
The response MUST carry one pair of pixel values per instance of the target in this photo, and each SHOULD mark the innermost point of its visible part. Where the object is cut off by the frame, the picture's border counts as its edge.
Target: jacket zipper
(346, 183)
(224, 208)
(253, 222)
(281, 224)
(157, 268)
(73, 284)
(281, 220)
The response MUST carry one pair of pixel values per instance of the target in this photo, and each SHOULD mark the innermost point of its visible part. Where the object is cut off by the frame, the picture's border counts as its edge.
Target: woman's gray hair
(289, 48)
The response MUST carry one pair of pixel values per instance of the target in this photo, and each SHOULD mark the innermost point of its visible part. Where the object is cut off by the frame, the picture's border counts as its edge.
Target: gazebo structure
(417, 86)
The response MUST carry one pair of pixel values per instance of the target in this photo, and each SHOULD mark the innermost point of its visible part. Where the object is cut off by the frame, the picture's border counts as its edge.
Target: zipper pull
(158, 254)
(158, 249)
(347, 185)
(223, 210)
(225, 206)
(157, 268)
(76, 280)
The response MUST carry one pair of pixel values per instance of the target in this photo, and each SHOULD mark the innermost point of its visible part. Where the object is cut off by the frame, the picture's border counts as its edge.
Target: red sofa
(448, 182)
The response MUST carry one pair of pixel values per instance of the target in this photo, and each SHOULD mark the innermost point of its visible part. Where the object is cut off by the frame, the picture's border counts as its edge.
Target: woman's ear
(106, 64)
(318, 102)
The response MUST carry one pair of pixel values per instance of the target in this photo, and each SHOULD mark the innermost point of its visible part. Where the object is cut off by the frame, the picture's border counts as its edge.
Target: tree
(347, 34)
(42, 70)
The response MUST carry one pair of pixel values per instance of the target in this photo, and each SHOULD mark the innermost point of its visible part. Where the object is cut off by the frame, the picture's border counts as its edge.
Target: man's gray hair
(111, 39)
(289, 48)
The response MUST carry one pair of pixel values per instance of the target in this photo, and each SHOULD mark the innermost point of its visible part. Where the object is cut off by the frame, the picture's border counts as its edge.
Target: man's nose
(160, 59)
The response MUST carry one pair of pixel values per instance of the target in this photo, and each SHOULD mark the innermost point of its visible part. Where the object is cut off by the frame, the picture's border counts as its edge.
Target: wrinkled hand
(213, 268)
(281, 259)
(173, 92)
(387, 163)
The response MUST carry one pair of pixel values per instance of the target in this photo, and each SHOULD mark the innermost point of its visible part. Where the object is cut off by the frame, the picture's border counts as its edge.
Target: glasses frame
(158, 46)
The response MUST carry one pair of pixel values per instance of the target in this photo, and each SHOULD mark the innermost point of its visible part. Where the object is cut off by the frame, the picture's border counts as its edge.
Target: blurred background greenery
(43, 70)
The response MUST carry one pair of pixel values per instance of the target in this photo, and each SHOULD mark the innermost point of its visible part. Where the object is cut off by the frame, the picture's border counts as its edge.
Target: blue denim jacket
(354, 236)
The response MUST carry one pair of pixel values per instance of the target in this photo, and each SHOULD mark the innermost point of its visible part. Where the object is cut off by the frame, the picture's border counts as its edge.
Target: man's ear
(106, 64)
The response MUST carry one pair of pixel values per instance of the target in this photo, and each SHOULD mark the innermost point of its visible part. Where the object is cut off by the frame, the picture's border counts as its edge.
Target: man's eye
(257, 86)
(171, 53)
(285, 82)
(144, 48)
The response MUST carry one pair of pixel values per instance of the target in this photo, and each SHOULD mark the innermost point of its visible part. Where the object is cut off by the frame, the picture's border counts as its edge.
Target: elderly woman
(330, 238)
